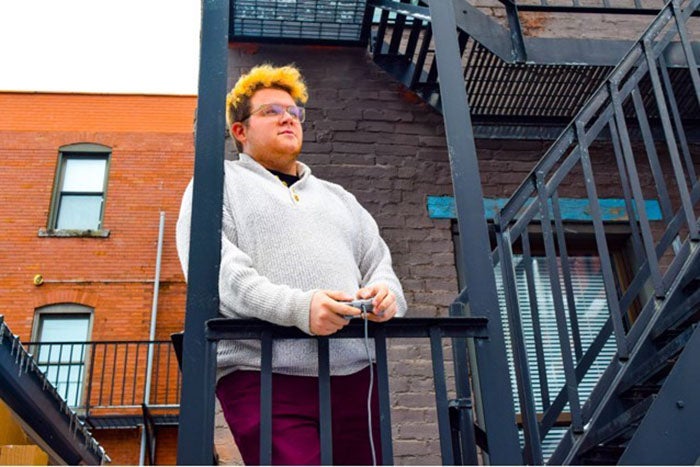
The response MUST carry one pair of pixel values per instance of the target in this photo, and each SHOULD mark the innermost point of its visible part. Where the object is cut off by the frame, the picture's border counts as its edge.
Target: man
(294, 248)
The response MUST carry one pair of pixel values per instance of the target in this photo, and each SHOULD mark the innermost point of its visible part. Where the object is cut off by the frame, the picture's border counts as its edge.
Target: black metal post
(266, 398)
(496, 396)
(196, 430)
(324, 401)
(384, 399)
(531, 434)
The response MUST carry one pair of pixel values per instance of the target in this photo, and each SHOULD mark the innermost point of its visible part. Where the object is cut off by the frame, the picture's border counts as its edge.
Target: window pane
(592, 312)
(64, 328)
(64, 364)
(83, 174)
(79, 212)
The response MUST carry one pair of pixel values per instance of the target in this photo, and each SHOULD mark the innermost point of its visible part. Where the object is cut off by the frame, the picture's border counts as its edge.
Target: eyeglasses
(277, 110)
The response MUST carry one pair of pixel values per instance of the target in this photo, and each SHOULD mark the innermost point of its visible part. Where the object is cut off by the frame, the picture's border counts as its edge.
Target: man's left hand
(383, 301)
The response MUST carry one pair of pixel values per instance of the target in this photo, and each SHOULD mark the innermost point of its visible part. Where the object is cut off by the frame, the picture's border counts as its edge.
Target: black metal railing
(657, 163)
(617, 7)
(110, 377)
(510, 79)
(457, 437)
(500, 88)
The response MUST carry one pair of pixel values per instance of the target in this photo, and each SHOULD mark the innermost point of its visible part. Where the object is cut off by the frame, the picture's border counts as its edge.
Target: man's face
(272, 140)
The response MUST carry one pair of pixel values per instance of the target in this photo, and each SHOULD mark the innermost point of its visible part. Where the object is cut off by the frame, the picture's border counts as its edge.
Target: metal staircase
(646, 108)
(636, 104)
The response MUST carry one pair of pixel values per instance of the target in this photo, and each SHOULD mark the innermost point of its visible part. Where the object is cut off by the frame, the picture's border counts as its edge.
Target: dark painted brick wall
(369, 134)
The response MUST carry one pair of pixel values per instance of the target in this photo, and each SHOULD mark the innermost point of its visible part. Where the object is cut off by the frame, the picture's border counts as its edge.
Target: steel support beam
(196, 431)
(496, 396)
(670, 430)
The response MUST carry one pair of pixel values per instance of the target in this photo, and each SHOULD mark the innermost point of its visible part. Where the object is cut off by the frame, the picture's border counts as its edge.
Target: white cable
(371, 384)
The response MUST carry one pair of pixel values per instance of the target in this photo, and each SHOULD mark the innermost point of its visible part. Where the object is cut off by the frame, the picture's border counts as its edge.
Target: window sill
(70, 233)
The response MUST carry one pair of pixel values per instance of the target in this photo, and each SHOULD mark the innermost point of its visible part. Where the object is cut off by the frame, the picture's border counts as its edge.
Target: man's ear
(238, 131)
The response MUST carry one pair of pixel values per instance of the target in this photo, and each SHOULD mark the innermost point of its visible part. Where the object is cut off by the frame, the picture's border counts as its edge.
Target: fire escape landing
(642, 98)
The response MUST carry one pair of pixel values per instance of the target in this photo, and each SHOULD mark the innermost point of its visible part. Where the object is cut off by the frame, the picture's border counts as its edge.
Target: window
(80, 187)
(591, 306)
(60, 348)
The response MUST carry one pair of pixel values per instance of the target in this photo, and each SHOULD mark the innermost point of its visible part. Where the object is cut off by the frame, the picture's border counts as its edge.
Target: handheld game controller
(365, 306)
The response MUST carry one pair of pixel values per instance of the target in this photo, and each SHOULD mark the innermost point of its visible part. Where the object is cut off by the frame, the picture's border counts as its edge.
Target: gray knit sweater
(279, 246)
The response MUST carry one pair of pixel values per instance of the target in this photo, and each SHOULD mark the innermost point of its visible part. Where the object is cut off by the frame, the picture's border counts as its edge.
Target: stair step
(621, 428)
(640, 392)
(602, 455)
(660, 362)
(679, 317)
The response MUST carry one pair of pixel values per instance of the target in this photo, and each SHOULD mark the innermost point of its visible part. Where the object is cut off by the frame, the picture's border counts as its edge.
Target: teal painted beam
(572, 209)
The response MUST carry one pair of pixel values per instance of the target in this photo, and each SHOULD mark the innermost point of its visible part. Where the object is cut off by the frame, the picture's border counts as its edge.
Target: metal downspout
(152, 332)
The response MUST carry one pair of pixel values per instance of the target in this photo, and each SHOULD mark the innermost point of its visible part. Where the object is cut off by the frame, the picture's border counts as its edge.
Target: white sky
(103, 46)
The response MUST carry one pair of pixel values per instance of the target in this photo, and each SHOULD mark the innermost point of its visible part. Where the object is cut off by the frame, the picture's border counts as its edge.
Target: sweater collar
(303, 170)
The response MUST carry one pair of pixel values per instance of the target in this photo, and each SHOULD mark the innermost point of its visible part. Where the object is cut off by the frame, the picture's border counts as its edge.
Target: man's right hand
(326, 312)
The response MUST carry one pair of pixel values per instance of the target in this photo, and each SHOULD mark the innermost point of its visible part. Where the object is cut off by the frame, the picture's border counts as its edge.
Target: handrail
(107, 377)
(434, 329)
(638, 87)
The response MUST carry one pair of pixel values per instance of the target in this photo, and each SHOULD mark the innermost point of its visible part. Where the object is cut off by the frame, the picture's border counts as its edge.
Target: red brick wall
(151, 162)
(123, 446)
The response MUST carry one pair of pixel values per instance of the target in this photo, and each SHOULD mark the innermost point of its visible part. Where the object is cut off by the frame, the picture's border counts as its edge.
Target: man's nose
(286, 117)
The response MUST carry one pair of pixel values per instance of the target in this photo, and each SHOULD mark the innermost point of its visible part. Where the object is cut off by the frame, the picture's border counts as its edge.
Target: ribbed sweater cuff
(301, 305)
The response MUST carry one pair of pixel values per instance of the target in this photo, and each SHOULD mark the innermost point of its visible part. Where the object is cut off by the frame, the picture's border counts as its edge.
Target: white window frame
(69, 358)
(88, 151)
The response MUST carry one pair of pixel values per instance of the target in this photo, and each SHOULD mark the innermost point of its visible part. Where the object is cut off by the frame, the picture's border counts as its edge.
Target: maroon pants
(295, 417)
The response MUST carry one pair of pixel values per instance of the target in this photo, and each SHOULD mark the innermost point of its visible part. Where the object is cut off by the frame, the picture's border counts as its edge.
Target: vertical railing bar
(422, 54)
(531, 433)
(635, 235)
(516, 32)
(324, 401)
(178, 387)
(562, 328)
(126, 357)
(551, 415)
(91, 375)
(432, 72)
(81, 373)
(412, 42)
(266, 398)
(397, 34)
(677, 120)
(70, 371)
(566, 273)
(114, 373)
(58, 364)
(664, 199)
(102, 373)
(536, 327)
(467, 438)
(136, 372)
(656, 171)
(157, 348)
(603, 252)
(441, 404)
(168, 371)
(641, 211)
(381, 31)
(384, 401)
(671, 142)
(687, 48)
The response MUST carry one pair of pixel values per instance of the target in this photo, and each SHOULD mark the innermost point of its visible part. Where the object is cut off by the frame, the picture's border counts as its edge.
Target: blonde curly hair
(287, 78)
